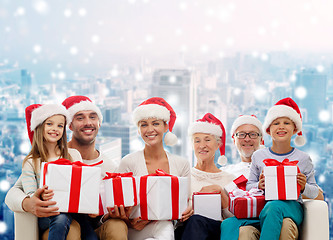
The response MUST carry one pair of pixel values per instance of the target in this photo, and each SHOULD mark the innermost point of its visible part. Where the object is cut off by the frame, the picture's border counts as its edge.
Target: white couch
(315, 225)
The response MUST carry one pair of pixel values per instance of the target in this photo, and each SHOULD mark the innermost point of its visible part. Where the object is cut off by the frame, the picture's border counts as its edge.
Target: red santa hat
(157, 107)
(75, 104)
(209, 124)
(286, 107)
(247, 119)
(36, 114)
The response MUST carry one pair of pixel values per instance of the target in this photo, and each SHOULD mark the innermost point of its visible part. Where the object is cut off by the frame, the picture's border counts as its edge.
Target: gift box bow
(251, 197)
(75, 187)
(174, 193)
(280, 174)
(117, 184)
(241, 193)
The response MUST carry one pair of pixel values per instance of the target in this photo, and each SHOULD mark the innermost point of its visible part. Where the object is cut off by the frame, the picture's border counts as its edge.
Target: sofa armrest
(316, 222)
(26, 226)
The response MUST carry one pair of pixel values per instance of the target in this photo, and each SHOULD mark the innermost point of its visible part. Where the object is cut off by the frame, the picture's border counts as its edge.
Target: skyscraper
(177, 87)
(314, 85)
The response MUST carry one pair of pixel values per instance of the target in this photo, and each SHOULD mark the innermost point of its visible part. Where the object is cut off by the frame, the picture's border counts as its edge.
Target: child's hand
(301, 180)
(261, 184)
(47, 194)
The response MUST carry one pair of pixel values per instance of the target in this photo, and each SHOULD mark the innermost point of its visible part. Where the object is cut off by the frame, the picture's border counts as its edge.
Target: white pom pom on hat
(286, 107)
(157, 107)
(211, 125)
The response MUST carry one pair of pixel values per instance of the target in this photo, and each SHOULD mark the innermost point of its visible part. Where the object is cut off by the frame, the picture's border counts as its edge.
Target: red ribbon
(174, 194)
(281, 183)
(118, 195)
(241, 182)
(75, 188)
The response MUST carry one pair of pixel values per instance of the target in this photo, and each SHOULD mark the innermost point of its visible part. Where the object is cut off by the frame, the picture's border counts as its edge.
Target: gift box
(120, 189)
(246, 204)
(207, 205)
(161, 197)
(75, 185)
(281, 180)
(237, 183)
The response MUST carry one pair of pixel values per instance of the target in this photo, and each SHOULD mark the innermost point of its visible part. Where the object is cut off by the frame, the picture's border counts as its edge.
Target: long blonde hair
(39, 149)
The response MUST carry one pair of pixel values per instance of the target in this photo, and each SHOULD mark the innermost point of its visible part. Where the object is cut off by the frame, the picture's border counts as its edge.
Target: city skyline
(66, 39)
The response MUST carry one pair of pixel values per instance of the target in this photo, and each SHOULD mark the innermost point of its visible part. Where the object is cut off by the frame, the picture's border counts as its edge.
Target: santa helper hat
(75, 104)
(36, 114)
(247, 119)
(209, 124)
(157, 107)
(286, 107)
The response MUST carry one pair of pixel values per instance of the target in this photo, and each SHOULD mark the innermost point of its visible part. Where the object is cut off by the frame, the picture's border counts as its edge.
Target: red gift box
(246, 204)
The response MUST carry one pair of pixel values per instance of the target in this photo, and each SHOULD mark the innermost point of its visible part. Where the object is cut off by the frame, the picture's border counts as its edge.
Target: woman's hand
(211, 188)
(261, 184)
(138, 223)
(186, 214)
(224, 200)
(47, 194)
(301, 180)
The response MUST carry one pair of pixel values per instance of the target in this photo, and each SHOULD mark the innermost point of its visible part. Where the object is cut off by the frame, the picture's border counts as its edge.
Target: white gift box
(281, 183)
(74, 190)
(207, 205)
(159, 198)
(123, 193)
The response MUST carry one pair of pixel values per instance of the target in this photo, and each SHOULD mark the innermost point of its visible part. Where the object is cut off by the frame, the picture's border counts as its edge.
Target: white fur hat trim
(205, 127)
(278, 111)
(85, 106)
(40, 114)
(246, 119)
(150, 111)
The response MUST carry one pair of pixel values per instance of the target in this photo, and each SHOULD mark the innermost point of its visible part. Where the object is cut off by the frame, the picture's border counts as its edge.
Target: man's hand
(38, 207)
(120, 212)
(186, 214)
(261, 184)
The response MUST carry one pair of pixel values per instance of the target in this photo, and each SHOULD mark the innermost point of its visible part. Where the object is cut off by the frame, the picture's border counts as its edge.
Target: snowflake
(68, 13)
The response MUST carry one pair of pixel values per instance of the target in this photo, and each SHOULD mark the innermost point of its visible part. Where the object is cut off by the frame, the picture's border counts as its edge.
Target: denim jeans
(58, 225)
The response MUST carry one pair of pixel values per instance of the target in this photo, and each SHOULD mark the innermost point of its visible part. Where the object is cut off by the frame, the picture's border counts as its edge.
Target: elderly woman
(208, 135)
(154, 117)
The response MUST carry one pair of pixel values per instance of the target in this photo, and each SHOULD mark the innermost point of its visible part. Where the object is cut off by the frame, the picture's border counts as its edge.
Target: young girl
(46, 127)
(154, 117)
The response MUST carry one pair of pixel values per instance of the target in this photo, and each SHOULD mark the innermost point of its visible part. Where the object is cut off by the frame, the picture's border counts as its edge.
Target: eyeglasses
(252, 135)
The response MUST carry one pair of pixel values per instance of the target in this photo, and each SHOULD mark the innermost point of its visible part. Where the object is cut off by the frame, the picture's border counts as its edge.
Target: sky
(92, 36)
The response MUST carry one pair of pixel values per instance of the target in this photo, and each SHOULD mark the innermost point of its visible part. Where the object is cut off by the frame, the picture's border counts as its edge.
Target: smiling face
(85, 126)
(205, 146)
(152, 130)
(282, 129)
(54, 128)
(247, 146)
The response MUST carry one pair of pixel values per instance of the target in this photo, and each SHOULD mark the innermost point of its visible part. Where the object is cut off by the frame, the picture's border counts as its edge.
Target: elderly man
(247, 134)
(86, 119)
